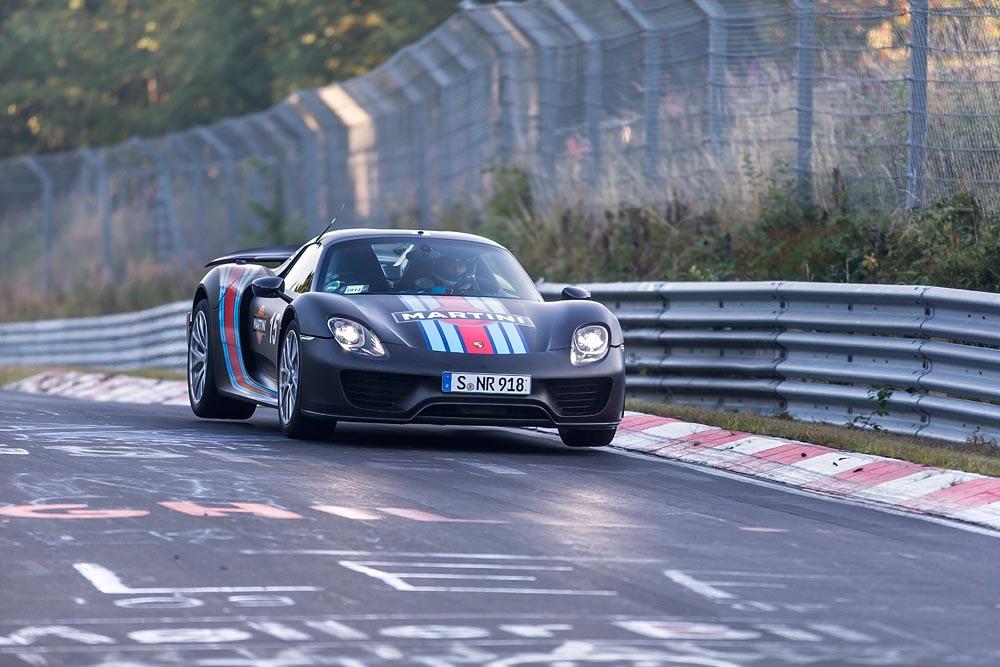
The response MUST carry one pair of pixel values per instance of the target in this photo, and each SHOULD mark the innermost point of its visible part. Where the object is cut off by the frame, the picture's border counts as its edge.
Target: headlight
(353, 337)
(590, 344)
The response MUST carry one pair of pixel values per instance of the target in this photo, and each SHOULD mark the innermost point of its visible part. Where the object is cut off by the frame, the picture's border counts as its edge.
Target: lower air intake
(382, 392)
(580, 397)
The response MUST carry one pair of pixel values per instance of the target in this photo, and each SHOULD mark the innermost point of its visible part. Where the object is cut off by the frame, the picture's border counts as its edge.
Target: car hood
(456, 324)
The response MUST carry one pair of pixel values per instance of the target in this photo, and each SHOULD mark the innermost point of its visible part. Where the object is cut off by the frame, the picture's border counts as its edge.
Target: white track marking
(398, 581)
(106, 581)
(702, 588)
(423, 554)
(840, 632)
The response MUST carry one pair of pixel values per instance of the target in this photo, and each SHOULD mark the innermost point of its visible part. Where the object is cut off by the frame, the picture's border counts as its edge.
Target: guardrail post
(717, 56)
(47, 232)
(228, 177)
(916, 137)
(593, 101)
(805, 54)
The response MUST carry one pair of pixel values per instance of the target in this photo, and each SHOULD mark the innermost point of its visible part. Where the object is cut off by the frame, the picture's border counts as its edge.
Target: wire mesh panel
(894, 103)
(963, 100)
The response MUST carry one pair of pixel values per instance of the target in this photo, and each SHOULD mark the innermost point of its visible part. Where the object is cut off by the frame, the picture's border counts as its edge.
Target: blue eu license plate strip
(485, 383)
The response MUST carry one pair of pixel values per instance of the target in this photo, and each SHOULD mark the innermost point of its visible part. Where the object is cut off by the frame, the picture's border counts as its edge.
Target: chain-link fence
(890, 103)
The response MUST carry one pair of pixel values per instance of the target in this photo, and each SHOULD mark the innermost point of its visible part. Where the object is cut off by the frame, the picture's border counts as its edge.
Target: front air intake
(580, 397)
(380, 392)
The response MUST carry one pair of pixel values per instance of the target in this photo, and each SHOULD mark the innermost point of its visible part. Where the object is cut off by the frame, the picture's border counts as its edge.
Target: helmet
(453, 270)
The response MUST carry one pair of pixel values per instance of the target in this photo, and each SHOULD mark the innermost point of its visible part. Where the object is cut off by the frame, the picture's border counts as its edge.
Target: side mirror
(269, 287)
(574, 293)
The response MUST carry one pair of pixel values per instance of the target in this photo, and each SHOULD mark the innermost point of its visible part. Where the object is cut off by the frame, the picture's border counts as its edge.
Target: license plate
(485, 383)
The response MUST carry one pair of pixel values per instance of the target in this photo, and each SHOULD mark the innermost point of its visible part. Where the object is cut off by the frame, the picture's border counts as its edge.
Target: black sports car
(400, 327)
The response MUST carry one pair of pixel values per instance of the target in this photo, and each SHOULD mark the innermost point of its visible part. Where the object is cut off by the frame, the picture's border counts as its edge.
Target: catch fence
(887, 103)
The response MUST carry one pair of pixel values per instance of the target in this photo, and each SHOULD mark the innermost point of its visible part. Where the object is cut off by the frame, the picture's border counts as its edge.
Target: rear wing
(269, 255)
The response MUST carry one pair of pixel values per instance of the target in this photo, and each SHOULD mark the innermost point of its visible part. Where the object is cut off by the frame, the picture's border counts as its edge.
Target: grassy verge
(980, 458)
(10, 374)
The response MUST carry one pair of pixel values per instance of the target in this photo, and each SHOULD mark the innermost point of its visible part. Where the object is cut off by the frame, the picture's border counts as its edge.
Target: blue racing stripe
(499, 340)
(451, 337)
(514, 335)
(432, 336)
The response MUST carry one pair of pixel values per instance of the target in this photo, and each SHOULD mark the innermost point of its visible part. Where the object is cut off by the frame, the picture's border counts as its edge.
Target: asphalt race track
(166, 540)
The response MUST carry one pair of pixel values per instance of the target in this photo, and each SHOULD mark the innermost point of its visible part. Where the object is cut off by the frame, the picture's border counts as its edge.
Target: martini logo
(470, 316)
(259, 324)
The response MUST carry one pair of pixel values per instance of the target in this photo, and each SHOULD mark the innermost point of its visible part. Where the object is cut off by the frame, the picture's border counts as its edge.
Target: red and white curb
(104, 387)
(889, 482)
(899, 484)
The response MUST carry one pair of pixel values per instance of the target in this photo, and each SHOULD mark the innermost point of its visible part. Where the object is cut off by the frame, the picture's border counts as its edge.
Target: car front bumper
(405, 387)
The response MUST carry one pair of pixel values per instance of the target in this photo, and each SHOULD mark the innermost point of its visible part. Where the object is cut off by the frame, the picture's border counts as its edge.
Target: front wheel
(294, 424)
(587, 437)
(204, 396)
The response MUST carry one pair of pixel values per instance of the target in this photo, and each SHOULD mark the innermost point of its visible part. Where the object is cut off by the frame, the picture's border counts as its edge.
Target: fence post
(443, 140)
(544, 54)
(227, 175)
(286, 179)
(196, 178)
(805, 54)
(164, 220)
(717, 55)
(46, 182)
(460, 176)
(916, 137)
(592, 84)
(650, 82)
(97, 161)
(418, 110)
(303, 127)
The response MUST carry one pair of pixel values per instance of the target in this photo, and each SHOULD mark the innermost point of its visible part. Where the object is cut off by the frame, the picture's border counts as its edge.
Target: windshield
(424, 266)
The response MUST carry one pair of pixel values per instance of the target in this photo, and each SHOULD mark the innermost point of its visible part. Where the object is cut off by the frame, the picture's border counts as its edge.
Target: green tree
(92, 72)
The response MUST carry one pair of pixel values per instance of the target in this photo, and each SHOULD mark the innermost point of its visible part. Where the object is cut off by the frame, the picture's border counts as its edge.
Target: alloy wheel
(288, 379)
(197, 356)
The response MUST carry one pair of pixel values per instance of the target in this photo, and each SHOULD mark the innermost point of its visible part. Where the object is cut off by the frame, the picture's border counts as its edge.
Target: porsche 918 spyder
(400, 327)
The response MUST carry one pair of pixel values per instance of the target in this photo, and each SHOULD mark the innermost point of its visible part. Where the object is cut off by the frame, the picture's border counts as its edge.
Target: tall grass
(951, 243)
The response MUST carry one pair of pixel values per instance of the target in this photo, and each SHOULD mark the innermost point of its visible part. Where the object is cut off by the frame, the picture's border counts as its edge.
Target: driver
(454, 273)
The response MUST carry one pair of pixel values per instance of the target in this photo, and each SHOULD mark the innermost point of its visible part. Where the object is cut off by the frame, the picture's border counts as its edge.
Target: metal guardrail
(907, 359)
(153, 338)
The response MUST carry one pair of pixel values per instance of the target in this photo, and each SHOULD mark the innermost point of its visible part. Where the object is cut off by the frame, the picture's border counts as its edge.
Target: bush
(951, 243)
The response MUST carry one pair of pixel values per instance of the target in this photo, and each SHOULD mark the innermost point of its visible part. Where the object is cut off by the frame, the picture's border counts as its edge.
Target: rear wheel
(587, 437)
(294, 424)
(203, 394)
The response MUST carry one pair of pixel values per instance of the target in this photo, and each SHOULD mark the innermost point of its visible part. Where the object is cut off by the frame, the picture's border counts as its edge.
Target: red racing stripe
(474, 336)
(229, 323)
(475, 339)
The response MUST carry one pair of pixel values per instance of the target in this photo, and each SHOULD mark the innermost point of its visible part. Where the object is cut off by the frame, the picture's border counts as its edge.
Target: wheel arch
(286, 319)
(199, 294)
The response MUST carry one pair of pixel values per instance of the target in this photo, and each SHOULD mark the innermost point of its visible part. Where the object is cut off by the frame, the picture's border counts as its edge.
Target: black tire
(294, 424)
(210, 404)
(587, 437)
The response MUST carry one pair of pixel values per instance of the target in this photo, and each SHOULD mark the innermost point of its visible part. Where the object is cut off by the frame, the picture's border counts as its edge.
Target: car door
(266, 314)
